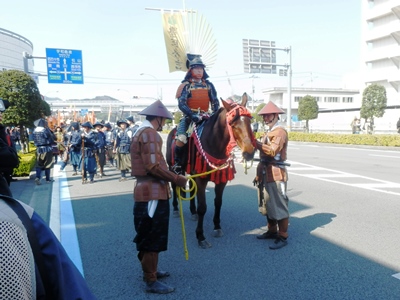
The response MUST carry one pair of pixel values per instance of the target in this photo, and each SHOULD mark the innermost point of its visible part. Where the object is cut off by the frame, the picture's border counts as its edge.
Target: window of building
(297, 98)
(347, 99)
(331, 99)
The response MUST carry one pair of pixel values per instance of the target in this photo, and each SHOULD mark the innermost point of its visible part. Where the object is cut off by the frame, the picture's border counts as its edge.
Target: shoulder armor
(180, 89)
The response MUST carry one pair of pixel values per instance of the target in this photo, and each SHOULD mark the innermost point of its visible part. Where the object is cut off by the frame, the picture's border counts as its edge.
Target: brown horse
(228, 127)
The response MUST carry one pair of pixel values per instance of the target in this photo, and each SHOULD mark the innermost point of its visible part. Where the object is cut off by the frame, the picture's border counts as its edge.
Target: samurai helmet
(194, 60)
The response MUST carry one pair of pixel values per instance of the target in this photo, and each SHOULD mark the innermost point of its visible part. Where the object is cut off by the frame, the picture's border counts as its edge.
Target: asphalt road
(344, 233)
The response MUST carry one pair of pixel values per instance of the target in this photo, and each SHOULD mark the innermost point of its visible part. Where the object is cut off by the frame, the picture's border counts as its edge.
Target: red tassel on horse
(204, 166)
(224, 175)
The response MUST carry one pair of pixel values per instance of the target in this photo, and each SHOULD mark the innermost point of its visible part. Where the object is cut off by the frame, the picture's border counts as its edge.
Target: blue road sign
(84, 112)
(64, 66)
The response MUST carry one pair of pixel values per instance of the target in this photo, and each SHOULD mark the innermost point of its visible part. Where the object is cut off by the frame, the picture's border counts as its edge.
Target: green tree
(177, 116)
(373, 104)
(26, 104)
(256, 117)
(308, 109)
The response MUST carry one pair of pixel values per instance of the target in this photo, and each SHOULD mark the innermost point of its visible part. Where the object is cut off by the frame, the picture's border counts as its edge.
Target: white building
(381, 45)
(380, 64)
(337, 107)
(11, 47)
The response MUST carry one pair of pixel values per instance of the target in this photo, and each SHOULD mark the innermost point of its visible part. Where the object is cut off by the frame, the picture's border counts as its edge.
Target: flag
(185, 33)
(174, 41)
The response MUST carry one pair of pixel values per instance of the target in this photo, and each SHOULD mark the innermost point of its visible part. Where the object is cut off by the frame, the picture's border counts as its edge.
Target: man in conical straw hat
(196, 95)
(151, 194)
(272, 177)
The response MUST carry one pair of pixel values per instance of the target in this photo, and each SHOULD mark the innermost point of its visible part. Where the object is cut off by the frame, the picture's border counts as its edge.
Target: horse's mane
(215, 136)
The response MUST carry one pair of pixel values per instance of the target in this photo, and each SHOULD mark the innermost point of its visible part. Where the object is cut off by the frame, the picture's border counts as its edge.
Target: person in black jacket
(44, 139)
(6, 168)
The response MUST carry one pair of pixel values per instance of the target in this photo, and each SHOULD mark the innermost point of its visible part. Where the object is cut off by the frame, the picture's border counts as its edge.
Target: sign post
(64, 66)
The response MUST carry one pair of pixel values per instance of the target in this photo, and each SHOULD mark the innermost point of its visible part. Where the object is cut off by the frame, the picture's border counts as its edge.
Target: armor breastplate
(199, 98)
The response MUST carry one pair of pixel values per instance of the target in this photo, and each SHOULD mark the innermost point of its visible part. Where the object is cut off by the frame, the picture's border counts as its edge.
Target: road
(344, 233)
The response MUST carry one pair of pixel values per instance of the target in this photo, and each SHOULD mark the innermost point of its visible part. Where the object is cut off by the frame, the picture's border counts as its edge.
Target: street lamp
(158, 95)
(288, 50)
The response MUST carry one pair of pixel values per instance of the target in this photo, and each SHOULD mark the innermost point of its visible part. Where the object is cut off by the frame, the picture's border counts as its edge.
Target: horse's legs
(175, 203)
(219, 190)
(201, 211)
(193, 209)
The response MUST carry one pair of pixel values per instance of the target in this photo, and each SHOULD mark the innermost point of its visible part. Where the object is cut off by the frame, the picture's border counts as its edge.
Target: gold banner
(174, 41)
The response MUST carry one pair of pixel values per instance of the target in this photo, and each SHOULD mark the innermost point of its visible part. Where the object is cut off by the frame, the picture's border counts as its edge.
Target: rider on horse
(194, 94)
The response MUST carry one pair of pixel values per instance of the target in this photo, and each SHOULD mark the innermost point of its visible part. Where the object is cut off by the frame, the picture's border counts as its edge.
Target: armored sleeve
(277, 140)
(183, 95)
(213, 97)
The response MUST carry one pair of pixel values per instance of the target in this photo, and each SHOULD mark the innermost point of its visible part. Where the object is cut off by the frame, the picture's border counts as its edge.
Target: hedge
(27, 162)
(388, 140)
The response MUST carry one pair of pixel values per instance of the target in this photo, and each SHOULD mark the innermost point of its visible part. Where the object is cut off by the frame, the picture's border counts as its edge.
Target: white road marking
(398, 157)
(329, 175)
(63, 214)
(396, 275)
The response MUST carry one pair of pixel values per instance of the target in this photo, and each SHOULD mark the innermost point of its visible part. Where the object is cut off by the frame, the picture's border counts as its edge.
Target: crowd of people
(87, 148)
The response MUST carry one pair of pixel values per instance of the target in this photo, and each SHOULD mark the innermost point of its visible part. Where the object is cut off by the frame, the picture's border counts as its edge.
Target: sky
(121, 39)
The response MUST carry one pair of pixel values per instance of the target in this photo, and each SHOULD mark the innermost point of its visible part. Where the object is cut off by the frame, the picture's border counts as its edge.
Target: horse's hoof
(204, 244)
(217, 233)
(195, 217)
(176, 213)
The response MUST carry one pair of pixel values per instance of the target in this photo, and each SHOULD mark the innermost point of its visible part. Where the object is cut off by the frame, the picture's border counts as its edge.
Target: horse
(226, 128)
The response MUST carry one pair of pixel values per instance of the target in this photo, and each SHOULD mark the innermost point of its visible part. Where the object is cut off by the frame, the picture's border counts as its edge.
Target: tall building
(381, 45)
(12, 45)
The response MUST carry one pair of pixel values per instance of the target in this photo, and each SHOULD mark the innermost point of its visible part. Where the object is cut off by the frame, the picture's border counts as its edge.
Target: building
(381, 45)
(12, 45)
(380, 64)
(102, 107)
(337, 107)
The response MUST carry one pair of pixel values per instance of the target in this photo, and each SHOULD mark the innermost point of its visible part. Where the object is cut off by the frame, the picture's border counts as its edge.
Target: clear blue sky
(120, 39)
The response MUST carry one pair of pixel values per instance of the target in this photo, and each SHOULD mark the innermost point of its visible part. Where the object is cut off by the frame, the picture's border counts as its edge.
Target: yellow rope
(178, 192)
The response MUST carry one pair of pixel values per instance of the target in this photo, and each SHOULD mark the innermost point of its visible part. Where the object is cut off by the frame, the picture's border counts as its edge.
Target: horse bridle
(236, 112)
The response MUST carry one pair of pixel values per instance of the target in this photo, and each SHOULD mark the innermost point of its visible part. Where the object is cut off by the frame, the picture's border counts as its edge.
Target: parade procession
(166, 152)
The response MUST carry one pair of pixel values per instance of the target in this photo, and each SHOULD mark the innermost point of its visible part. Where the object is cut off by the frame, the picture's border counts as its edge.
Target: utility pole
(289, 89)
(253, 90)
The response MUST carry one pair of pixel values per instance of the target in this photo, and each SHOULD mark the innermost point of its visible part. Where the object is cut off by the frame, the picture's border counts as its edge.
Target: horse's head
(239, 119)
